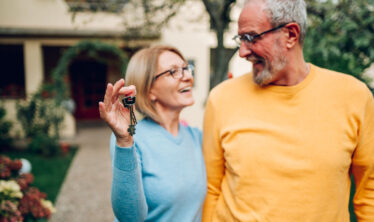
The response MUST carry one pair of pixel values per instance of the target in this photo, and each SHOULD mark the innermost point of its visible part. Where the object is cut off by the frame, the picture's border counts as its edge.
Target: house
(35, 33)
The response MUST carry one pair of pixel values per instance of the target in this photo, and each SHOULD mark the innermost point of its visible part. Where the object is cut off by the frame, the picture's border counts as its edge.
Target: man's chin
(262, 78)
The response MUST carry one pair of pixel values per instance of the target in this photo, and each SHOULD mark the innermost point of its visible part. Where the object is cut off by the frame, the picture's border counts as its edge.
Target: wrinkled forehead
(169, 59)
(253, 18)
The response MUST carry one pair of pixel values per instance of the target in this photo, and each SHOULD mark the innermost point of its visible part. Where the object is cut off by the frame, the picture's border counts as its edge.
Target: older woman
(159, 173)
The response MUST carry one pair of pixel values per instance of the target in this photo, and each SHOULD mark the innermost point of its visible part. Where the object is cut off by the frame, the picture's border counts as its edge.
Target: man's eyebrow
(252, 33)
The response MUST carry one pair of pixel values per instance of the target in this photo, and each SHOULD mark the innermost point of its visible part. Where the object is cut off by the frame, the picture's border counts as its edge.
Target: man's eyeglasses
(247, 38)
(176, 73)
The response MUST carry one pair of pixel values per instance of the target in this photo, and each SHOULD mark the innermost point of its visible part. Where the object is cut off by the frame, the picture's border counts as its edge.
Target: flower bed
(18, 200)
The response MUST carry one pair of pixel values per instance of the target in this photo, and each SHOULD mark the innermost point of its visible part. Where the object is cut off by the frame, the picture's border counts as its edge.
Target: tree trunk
(221, 60)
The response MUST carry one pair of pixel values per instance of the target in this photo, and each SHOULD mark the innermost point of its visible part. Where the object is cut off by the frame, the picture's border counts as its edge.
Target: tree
(219, 14)
(341, 35)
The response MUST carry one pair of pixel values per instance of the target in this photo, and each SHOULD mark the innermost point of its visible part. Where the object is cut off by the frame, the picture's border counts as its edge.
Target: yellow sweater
(286, 153)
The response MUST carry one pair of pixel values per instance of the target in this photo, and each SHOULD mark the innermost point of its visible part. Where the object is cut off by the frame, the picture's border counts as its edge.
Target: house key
(129, 102)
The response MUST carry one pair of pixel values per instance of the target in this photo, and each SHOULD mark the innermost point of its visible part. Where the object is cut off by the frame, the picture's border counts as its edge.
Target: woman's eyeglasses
(176, 73)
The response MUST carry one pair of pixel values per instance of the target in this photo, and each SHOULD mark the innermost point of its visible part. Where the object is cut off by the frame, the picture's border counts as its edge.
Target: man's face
(266, 53)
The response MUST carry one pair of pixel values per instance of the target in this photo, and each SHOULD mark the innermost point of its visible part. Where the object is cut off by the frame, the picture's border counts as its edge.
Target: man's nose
(244, 50)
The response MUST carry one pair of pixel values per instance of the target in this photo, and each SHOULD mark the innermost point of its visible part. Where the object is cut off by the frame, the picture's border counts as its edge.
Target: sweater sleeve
(214, 160)
(363, 165)
(128, 199)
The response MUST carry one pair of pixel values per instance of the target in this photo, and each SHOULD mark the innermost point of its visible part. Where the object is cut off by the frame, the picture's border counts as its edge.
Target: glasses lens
(190, 68)
(237, 40)
(178, 73)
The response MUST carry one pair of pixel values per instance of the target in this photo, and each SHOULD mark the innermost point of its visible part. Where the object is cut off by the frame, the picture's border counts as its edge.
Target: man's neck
(294, 72)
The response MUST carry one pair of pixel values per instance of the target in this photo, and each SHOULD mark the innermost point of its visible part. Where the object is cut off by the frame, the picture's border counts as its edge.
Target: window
(51, 56)
(12, 78)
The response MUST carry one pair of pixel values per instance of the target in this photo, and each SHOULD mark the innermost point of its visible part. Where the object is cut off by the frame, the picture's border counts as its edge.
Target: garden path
(85, 193)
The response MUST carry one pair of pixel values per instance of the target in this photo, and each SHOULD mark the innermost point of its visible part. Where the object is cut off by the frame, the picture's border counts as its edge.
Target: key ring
(129, 102)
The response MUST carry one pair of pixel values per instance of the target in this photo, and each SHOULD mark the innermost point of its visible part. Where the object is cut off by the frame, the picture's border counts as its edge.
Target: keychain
(129, 102)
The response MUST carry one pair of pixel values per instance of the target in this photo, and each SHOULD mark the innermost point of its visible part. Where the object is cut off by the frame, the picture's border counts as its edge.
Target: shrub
(44, 144)
(41, 118)
(5, 127)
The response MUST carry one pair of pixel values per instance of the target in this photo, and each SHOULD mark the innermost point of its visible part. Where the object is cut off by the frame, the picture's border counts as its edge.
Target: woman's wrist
(125, 142)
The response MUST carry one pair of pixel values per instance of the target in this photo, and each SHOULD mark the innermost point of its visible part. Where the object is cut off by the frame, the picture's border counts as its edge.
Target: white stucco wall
(52, 14)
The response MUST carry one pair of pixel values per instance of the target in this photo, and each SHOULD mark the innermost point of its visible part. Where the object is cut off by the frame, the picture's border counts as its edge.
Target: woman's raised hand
(115, 114)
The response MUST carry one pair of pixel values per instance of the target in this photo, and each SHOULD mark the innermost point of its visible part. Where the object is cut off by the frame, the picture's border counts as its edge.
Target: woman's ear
(152, 96)
(293, 34)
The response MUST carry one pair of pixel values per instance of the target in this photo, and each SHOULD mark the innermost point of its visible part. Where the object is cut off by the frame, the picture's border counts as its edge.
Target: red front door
(88, 82)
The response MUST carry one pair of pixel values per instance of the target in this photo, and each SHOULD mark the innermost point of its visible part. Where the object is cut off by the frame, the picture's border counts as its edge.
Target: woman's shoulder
(195, 132)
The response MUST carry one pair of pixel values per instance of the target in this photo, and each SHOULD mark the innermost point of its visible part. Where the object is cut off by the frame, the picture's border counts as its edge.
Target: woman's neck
(169, 119)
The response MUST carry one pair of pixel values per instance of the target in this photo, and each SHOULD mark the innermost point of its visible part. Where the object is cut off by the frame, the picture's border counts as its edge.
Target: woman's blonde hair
(140, 72)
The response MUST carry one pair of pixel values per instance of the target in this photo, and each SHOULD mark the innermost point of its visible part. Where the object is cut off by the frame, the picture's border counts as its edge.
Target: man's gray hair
(286, 11)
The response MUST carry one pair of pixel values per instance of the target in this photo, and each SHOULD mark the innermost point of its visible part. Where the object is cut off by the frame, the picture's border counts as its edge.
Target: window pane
(12, 78)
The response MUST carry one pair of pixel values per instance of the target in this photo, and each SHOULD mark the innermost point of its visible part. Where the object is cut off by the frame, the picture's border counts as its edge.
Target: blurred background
(56, 57)
(36, 34)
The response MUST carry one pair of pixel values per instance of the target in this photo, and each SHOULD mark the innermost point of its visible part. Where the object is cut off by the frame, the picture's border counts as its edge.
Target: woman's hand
(115, 114)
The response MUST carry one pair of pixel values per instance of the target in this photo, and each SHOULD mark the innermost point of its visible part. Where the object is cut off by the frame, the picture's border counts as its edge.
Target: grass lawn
(49, 172)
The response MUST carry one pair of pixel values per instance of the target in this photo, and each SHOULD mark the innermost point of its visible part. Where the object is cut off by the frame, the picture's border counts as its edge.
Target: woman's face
(169, 92)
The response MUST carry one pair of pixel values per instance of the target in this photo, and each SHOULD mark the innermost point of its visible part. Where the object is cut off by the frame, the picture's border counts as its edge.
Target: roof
(72, 33)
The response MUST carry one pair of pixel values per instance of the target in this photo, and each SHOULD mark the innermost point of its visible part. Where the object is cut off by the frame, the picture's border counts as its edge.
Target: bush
(41, 118)
(5, 127)
(44, 144)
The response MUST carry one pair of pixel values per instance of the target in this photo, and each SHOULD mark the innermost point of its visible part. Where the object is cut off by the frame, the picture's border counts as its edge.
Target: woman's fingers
(111, 97)
(117, 86)
(128, 91)
(108, 97)
(102, 110)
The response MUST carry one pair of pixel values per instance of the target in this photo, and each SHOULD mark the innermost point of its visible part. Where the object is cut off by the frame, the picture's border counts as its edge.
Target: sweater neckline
(176, 139)
(295, 88)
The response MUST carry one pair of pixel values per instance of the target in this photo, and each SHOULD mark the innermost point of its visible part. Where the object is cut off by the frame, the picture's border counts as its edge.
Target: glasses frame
(188, 67)
(251, 38)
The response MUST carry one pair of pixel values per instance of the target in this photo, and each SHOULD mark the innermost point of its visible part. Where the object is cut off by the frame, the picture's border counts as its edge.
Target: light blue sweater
(161, 177)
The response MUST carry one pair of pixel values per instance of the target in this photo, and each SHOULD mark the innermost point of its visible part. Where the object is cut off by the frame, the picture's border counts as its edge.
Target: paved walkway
(85, 194)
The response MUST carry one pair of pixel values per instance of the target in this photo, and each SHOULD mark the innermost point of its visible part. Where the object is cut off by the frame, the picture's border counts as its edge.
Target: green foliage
(5, 127)
(41, 118)
(39, 115)
(341, 35)
(45, 145)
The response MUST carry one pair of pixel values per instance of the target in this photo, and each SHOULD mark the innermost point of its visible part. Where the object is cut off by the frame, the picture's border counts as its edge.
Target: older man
(283, 146)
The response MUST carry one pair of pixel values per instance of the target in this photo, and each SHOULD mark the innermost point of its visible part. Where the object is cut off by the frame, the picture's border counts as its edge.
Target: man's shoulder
(341, 80)
(232, 86)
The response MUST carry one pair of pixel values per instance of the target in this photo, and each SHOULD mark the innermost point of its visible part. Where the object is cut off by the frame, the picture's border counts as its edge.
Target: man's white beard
(264, 77)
